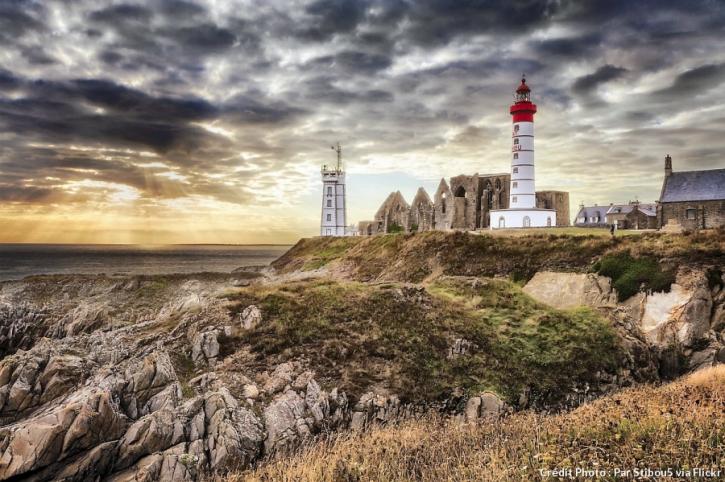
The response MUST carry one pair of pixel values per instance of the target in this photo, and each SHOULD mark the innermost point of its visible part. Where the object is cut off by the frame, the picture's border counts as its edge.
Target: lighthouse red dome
(523, 87)
(523, 110)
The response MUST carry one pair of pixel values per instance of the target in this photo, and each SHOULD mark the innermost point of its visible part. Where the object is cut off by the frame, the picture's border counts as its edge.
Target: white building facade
(333, 218)
(522, 211)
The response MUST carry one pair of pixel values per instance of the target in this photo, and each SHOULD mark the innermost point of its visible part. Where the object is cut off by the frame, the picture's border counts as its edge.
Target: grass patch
(398, 337)
(630, 274)
(677, 425)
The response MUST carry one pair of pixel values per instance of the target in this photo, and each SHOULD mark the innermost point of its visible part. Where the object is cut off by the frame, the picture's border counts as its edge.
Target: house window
(527, 222)
(513, 199)
(514, 184)
(691, 213)
(516, 170)
(516, 155)
(501, 222)
(329, 203)
(329, 217)
(548, 221)
(329, 190)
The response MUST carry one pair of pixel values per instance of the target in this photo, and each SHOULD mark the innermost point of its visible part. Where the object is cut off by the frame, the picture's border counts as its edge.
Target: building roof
(648, 209)
(620, 208)
(590, 211)
(694, 186)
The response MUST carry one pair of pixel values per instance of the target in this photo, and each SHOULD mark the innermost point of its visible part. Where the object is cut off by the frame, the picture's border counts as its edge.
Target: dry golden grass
(679, 425)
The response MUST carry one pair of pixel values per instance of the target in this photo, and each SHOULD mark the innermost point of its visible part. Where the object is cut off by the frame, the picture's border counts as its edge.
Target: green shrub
(629, 274)
(395, 228)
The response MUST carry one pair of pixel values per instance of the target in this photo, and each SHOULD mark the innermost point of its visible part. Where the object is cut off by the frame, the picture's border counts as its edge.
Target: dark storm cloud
(694, 81)
(352, 62)
(18, 18)
(588, 83)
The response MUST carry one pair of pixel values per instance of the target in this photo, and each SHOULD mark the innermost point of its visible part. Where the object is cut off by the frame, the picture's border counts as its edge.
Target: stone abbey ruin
(464, 203)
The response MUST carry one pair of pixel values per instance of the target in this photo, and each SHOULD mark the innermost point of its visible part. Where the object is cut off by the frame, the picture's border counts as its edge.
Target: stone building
(442, 207)
(558, 200)
(691, 199)
(421, 212)
(633, 215)
(464, 204)
(591, 216)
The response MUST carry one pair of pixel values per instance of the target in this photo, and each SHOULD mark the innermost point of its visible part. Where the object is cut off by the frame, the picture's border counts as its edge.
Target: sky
(207, 121)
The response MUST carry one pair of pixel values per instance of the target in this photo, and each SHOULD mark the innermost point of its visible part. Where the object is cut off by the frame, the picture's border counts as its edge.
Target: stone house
(691, 199)
(591, 216)
(633, 215)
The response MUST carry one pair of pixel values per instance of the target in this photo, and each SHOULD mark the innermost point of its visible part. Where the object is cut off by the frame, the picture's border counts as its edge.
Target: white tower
(333, 198)
(522, 211)
(523, 192)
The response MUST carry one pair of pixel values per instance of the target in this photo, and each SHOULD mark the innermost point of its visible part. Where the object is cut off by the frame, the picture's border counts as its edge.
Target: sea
(20, 260)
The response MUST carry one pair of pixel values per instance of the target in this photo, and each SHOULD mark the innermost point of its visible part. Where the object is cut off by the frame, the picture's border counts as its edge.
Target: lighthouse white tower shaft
(332, 222)
(523, 191)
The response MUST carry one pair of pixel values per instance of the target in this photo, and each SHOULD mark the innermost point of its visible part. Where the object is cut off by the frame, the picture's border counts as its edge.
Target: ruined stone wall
(703, 214)
(558, 200)
(368, 228)
(442, 207)
(493, 193)
(466, 202)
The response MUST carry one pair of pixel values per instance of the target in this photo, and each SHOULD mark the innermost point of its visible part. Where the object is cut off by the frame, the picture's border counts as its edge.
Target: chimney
(668, 165)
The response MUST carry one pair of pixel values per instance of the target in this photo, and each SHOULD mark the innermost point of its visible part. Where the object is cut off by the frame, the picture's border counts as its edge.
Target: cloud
(696, 81)
(586, 84)
(238, 105)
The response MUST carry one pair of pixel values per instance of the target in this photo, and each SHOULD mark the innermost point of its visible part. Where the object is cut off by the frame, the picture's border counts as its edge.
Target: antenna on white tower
(338, 150)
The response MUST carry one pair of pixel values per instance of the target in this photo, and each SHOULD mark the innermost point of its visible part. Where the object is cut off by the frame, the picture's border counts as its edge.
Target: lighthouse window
(514, 184)
(329, 203)
(516, 128)
(516, 141)
(329, 190)
(513, 199)
(516, 169)
(516, 155)
(329, 217)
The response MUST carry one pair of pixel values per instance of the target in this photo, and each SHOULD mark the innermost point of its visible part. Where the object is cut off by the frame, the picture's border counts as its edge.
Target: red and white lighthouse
(523, 192)
(522, 211)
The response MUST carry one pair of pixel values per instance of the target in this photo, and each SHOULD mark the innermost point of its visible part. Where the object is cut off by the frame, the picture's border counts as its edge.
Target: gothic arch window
(498, 184)
(501, 222)
(489, 194)
(527, 222)
(443, 203)
(461, 192)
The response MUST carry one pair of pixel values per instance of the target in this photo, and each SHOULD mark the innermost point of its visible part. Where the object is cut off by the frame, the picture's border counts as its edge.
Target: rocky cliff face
(689, 320)
(171, 377)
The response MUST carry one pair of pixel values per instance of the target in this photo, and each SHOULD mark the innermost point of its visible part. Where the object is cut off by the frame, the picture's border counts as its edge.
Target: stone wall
(558, 200)
(707, 214)
(636, 219)
(465, 204)
(465, 201)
